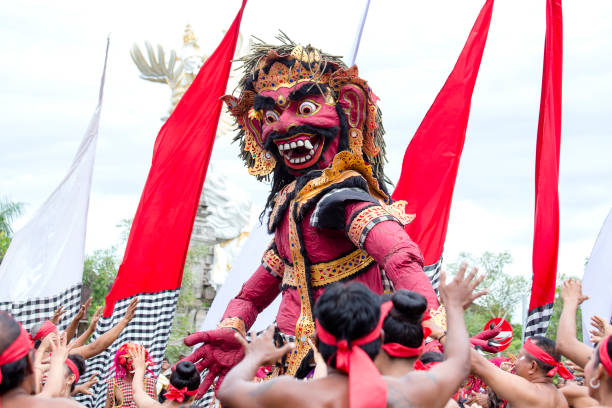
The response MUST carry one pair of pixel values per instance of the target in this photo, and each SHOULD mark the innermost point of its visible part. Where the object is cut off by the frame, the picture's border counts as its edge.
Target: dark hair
(13, 374)
(403, 323)
(550, 347)
(348, 312)
(80, 364)
(431, 356)
(185, 375)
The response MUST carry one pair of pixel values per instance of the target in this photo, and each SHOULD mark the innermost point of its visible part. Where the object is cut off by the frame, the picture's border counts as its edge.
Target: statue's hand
(219, 353)
(486, 340)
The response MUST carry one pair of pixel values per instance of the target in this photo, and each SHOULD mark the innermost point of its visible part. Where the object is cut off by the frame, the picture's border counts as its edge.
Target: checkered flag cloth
(433, 273)
(33, 311)
(150, 327)
(537, 320)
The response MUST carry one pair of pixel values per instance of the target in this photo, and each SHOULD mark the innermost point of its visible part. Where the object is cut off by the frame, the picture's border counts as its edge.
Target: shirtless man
(349, 314)
(17, 382)
(531, 386)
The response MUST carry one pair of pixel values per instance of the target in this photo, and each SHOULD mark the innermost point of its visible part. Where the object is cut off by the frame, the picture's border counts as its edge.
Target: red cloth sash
(177, 395)
(47, 328)
(604, 356)
(399, 350)
(539, 354)
(367, 388)
(17, 350)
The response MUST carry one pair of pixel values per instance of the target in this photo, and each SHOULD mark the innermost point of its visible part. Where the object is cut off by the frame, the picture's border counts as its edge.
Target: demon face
(300, 125)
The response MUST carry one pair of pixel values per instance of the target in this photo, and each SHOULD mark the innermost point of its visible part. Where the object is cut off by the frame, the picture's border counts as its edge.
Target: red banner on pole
(546, 220)
(432, 159)
(159, 238)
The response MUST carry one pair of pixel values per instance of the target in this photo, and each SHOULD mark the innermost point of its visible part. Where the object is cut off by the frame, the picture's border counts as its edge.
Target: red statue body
(312, 125)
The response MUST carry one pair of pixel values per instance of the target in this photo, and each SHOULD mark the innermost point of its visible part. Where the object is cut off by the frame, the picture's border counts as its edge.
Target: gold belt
(325, 273)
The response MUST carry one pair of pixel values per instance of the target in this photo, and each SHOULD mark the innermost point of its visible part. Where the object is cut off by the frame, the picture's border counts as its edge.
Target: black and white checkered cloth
(150, 327)
(31, 312)
(433, 273)
(537, 320)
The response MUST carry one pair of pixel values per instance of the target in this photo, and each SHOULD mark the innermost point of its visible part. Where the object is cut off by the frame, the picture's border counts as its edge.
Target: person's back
(17, 376)
(349, 321)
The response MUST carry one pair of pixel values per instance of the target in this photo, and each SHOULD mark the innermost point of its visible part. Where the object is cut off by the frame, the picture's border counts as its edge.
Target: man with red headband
(349, 320)
(17, 380)
(532, 384)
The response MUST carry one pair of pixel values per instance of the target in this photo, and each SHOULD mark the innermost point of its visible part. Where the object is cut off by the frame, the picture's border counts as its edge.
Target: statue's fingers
(196, 338)
(205, 385)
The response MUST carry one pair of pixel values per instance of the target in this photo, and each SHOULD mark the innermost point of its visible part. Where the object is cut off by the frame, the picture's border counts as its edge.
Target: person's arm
(239, 389)
(55, 377)
(513, 388)
(105, 340)
(437, 386)
(141, 398)
(74, 324)
(82, 339)
(578, 396)
(567, 342)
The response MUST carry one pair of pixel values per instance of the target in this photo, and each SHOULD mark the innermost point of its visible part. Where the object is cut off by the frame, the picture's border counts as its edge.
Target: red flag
(431, 160)
(546, 225)
(159, 237)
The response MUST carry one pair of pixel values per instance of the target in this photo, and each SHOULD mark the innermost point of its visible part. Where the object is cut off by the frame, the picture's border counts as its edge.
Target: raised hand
(85, 388)
(96, 317)
(571, 292)
(139, 358)
(460, 291)
(220, 352)
(58, 314)
(601, 329)
(83, 309)
(262, 347)
(131, 310)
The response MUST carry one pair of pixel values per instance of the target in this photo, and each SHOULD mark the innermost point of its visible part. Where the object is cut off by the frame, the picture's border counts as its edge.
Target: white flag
(43, 266)
(597, 280)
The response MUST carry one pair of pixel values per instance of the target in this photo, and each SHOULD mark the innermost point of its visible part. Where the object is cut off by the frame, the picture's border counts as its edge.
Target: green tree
(9, 210)
(99, 273)
(505, 293)
(187, 305)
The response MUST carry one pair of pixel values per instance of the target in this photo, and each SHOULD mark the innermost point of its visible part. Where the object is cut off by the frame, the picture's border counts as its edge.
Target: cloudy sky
(52, 59)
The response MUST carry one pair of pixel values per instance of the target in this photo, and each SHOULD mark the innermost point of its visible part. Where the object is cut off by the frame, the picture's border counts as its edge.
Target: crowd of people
(370, 351)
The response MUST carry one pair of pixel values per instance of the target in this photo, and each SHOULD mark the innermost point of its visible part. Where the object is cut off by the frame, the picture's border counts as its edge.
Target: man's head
(529, 367)
(165, 364)
(14, 373)
(73, 370)
(348, 312)
(299, 107)
(598, 370)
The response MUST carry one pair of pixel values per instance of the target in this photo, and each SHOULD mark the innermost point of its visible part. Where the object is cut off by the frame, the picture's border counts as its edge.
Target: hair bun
(410, 305)
(186, 369)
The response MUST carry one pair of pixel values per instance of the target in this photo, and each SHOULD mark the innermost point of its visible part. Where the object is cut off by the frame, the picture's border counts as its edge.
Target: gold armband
(235, 323)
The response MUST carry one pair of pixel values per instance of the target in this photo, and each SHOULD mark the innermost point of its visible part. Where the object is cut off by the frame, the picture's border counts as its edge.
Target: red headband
(74, 369)
(399, 350)
(46, 328)
(539, 354)
(367, 388)
(419, 366)
(17, 350)
(604, 356)
(174, 393)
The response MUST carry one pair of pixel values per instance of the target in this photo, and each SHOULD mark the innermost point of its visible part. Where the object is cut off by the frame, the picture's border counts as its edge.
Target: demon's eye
(308, 108)
(271, 116)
